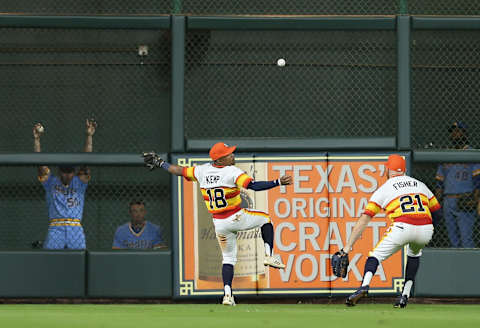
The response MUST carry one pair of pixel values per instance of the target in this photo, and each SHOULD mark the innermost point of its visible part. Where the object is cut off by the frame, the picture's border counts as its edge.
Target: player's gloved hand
(152, 160)
(340, 263)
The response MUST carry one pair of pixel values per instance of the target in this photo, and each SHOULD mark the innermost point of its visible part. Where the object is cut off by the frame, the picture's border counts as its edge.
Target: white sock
(407, 287)
(268, 251)
(228, 290)
(367, 278)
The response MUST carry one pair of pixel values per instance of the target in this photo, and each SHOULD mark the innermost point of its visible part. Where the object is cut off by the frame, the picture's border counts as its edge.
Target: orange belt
(458, 195)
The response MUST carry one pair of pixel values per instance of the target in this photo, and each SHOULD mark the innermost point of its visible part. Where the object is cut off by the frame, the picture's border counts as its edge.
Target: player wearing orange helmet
(220, 183)
(410, 205)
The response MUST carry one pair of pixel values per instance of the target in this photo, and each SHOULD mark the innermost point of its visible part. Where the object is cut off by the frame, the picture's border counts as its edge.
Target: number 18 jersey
(405, 199)
(220, 186)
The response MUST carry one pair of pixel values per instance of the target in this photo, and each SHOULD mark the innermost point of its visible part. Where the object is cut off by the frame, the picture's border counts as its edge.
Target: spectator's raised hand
(91, 125)
(38, 130)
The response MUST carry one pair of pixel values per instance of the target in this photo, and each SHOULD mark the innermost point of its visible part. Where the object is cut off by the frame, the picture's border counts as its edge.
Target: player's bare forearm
(357, 231)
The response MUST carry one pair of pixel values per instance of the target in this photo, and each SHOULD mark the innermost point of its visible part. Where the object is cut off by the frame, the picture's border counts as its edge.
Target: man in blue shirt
(459, 184)
(138, 233)
(65, 195)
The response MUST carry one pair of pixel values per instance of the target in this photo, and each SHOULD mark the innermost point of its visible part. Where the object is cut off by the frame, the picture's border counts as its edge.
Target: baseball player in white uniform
(220, 182)
(410, 205)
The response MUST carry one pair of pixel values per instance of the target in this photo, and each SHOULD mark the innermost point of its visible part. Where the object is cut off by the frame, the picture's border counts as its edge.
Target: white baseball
(40, 129)
(281, 62)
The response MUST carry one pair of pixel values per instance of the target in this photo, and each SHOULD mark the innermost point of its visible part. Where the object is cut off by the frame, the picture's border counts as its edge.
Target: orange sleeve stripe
(189, 173)
(433, 204)
(247, 182)
(372, 208)
(369, 213)
(435, 207)
(243, 180)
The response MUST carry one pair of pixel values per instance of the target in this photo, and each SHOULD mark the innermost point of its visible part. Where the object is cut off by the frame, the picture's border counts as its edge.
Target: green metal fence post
(403, 7)
(178, 74)
(177, 6)
(403, 83)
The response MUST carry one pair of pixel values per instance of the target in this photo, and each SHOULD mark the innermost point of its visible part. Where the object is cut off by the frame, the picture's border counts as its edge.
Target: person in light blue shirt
(138, 233)
(458, 184)
(65, 196)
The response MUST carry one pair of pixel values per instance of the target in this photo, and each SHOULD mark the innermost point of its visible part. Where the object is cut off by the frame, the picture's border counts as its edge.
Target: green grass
(241, 316)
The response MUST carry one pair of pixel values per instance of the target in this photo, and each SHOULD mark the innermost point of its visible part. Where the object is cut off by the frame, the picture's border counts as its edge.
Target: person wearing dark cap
(411, 206)
(65, 196)
(220, 183)
(458, 185)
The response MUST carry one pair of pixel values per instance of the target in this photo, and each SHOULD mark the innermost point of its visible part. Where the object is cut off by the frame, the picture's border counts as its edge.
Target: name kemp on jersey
(211, 179)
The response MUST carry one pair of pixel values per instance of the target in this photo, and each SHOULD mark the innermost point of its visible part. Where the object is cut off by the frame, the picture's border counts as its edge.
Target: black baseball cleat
(401, 302)
(355, 297)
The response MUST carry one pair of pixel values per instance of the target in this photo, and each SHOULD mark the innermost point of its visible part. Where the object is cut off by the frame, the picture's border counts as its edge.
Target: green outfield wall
(149, 274)
(73, 274)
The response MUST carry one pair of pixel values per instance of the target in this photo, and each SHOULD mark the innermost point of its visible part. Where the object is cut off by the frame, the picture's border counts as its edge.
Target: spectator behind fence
(65, 195)
(138, 233)
(458, 187)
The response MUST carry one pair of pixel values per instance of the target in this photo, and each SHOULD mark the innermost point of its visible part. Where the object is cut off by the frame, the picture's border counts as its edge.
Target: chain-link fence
(443, 7)
(25, 211)
(445, 79)
(460, 224)
(289, 7)
(60, 77)
(246, 7)
(88, 7)
(334, 83)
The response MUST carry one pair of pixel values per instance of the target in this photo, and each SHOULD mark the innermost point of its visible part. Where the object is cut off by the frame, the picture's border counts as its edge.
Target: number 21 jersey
(405, 199)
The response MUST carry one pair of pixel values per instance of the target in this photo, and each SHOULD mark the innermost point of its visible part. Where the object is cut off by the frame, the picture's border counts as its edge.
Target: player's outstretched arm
(265, 185)
(152, 161)
(357, 231)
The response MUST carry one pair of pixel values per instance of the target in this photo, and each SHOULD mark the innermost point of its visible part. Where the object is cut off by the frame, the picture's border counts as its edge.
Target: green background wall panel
(42, 274)
(448, 273)
(130, 274)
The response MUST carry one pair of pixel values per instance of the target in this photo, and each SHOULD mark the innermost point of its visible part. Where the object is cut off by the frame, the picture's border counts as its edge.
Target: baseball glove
(340, 264)
(467, 203)
(152, 160)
